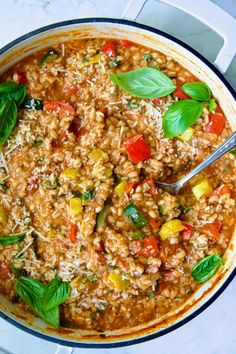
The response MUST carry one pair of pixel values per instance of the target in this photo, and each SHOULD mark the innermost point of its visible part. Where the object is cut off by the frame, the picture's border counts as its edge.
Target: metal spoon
(227, 145)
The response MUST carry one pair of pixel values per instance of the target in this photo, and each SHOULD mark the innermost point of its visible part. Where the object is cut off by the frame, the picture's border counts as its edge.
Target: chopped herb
(135, 216)
(81, 248)
(33, 103)
(132, 104)
(87, 195)
(114, 63)
(49, 57)
(37, 143)
(151, 294)
(147, 57)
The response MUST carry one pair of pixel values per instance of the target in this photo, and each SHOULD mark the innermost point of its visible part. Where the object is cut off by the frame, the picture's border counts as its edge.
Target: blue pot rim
(196, 312)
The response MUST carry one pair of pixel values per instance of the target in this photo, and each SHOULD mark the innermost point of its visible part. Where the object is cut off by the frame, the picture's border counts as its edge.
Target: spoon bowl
(226, 146)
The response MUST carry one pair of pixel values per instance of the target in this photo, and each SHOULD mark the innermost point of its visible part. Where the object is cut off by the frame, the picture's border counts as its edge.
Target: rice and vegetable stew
(87, 239)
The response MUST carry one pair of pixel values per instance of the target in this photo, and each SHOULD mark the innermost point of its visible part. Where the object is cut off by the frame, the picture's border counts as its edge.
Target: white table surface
(213, 331)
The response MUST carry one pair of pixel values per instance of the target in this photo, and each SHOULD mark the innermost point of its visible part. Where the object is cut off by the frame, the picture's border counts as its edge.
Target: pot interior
(93, 29)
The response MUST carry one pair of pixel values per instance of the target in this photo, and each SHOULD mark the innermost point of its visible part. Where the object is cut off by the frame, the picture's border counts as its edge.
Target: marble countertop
(213, 331)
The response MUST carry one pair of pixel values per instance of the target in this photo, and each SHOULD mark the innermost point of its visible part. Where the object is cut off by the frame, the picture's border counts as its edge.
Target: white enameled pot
(199, 66)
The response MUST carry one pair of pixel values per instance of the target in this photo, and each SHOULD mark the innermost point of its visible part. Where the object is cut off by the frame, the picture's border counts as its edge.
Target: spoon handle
(227, 145)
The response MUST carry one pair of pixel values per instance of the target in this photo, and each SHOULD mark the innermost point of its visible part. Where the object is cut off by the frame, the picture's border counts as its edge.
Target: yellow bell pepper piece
(75, 207)
(186, 135)
(119, 283)
(120, 188)
(108, 172)
(93, 60)
(201, 189)
(97, 154)
(170, 227)
(70, 173)
(3, 215)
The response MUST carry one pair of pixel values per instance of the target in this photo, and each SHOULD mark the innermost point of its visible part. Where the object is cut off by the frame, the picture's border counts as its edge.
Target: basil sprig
(180, 116)
(11, 96)
(183, 114)
(198, 91)
(10, 239)
(55, 293)
(44, 300)
(8, 116)
(206, 268)
(144, 83)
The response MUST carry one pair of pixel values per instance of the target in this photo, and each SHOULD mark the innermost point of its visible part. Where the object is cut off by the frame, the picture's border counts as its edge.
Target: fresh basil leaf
(144, 83)
(180, 116)
(10, 239)
(51, 316)
(199, 91)
(55, 293)
(211, 104)
(31, 291)
(14, 91)
(206, 268)
(8, 116)
(147, 57)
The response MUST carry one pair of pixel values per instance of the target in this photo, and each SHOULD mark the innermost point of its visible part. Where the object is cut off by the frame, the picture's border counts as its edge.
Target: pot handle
(221, 22)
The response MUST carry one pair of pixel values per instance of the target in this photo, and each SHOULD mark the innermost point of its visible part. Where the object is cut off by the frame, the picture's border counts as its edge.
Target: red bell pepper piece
(131, 186)
(150, 181)
(187, 232)
(192, 79)
(22, 78)
(137, 148)
(110, 49)
(180, 94)
(216, 124)
(212, 230)
(72, 232)
(126, 43)
(155, 224)
(221, 190)
(65, 109)
(146, 247)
